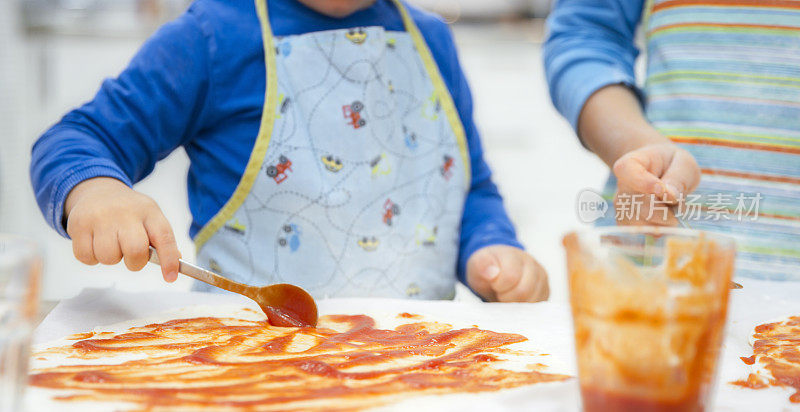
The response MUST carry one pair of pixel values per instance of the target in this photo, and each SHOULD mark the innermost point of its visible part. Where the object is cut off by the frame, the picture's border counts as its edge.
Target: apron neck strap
(442, 93)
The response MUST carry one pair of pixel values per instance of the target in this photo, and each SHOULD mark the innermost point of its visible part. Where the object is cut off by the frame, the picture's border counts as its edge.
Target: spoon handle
(681, 221)
(204, 275)
(684, 224)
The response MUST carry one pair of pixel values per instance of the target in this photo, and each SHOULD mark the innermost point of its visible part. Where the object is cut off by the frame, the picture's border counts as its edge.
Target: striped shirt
(723, 82)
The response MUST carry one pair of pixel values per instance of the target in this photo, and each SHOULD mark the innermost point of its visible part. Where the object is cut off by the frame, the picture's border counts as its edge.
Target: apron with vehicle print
(357, 180)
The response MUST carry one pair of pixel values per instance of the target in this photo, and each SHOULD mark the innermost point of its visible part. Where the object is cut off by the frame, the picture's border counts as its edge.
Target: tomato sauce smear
(777, 352)
(346, 363)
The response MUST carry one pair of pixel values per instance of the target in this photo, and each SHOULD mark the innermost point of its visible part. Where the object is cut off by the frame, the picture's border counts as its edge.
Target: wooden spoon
(284, 304)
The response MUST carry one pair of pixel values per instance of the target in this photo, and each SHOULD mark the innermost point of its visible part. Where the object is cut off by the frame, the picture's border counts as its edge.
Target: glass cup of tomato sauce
(648, 307)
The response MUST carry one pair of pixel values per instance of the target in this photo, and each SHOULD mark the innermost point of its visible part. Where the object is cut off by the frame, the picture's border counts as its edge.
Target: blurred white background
(54, 54)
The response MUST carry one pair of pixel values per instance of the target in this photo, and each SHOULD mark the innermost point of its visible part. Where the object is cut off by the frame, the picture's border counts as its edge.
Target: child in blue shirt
(715, 127)
(332, 146)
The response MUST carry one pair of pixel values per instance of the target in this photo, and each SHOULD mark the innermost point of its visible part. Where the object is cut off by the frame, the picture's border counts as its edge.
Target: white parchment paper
(758, 302)
(546, 325)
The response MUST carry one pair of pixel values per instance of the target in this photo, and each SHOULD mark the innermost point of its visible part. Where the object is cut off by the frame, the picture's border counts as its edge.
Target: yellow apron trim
(646, 13)
(439, 87)
(262, 141)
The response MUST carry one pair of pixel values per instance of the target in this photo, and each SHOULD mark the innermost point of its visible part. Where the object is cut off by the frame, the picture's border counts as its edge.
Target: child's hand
(109, 221)
(662, 170)
(645, 162)
(507, 274)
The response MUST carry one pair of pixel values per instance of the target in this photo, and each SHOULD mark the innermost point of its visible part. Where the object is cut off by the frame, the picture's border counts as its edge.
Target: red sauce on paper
(754, 381)
(748, 360)
(777, 350)
(346, 362)
(80, 336)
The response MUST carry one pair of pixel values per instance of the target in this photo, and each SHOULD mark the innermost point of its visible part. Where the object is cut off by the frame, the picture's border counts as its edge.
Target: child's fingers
(106, 246)
(135, 246)
(162, 238)
(81, 235)
(523, 291)
(82, 248)
(531, 281)
(634, 175)
(507, 274)
(541, 289)
(482, 268)
(505, 285)
(682, 175)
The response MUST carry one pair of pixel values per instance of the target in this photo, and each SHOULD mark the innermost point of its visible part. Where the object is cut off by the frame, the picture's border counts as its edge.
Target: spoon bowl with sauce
(284, 304)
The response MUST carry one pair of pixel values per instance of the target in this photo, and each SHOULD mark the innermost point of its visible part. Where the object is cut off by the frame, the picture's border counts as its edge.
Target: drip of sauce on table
(344, 363)
(777, 350)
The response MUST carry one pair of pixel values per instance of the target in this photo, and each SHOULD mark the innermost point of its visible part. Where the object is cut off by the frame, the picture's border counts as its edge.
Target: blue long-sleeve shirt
(590, 45)
(198, 83)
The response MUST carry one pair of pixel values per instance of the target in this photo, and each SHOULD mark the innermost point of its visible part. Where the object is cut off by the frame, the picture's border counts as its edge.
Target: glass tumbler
(20, 272)
(648, 307)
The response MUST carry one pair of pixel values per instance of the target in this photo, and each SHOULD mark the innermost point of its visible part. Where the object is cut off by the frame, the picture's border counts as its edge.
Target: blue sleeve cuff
(581, 81)
(94, 168)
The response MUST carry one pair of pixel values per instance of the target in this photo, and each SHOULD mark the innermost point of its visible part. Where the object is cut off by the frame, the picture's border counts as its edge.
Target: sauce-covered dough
(211, 363)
